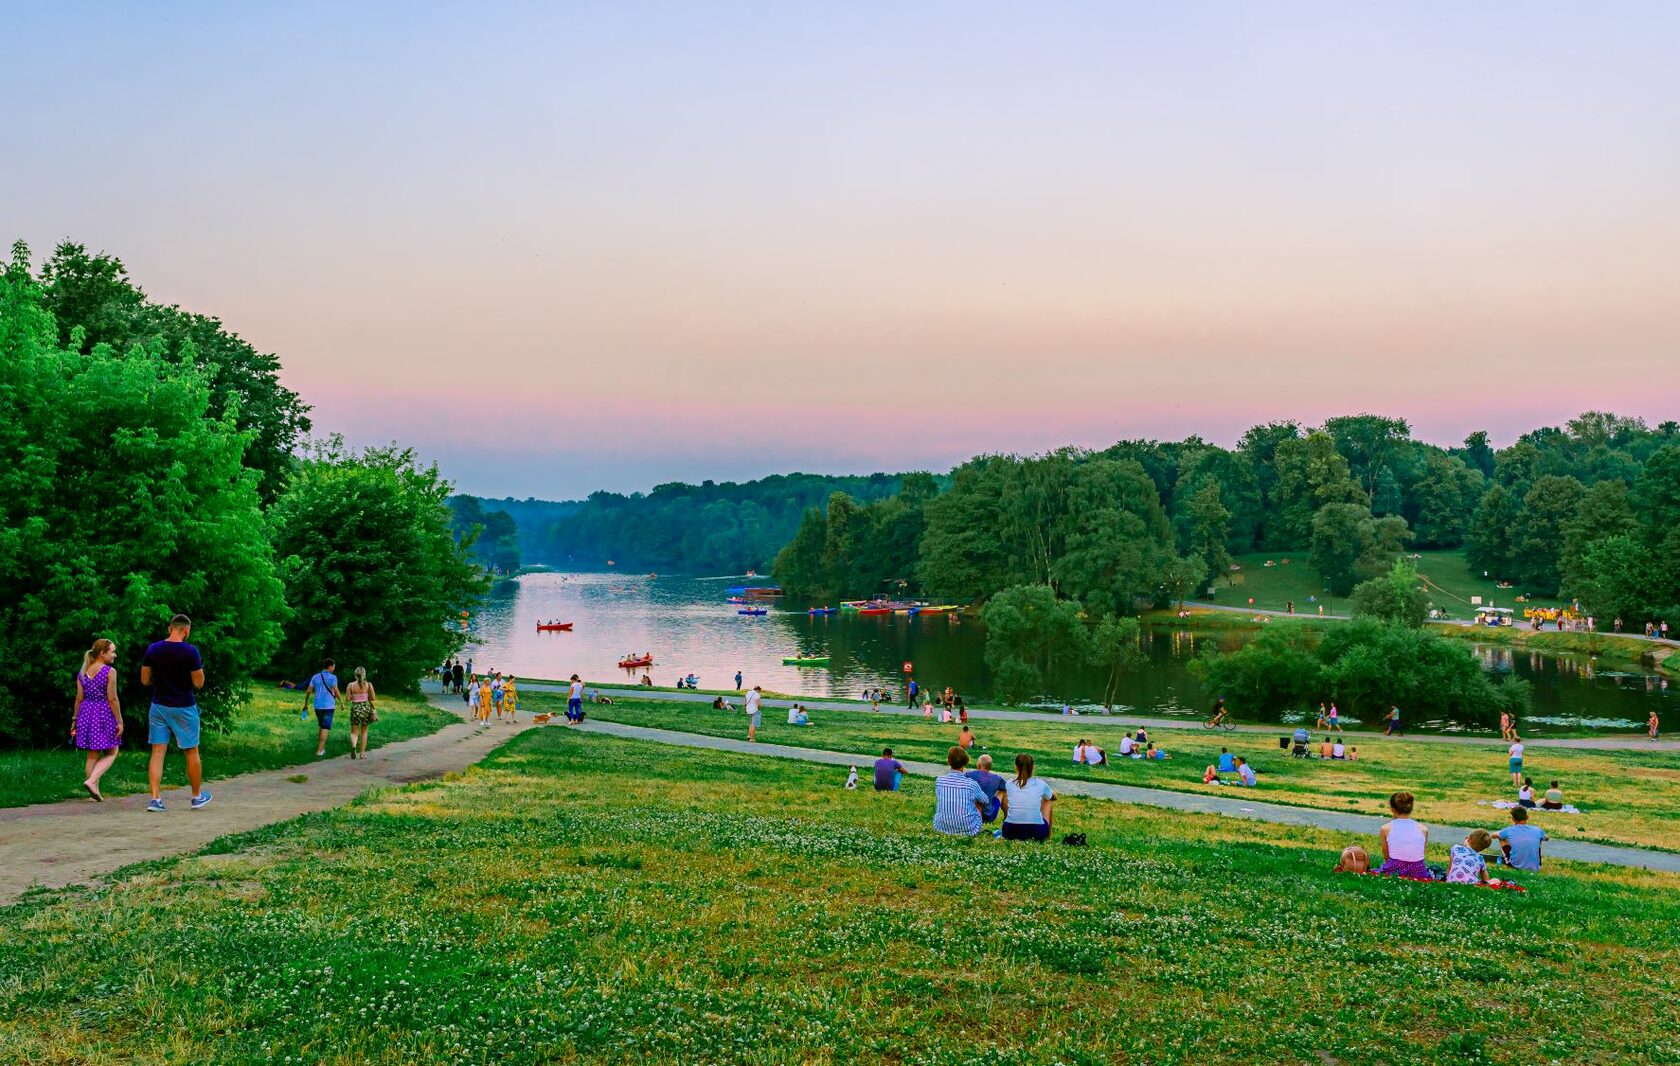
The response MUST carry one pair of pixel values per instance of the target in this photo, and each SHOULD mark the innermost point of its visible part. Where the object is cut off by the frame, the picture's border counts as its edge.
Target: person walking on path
(1335, 718)
(458, 674)
(362, 712)
(1393, 728)
(323, 689)
(574, 700)
(174, 671)
(1651, 725)
(911, 689)
(97, 727)
(737, 681)
(755, 717)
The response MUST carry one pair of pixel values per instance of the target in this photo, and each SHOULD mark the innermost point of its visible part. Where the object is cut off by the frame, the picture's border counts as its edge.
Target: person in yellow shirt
(510, 698)
(484, 703)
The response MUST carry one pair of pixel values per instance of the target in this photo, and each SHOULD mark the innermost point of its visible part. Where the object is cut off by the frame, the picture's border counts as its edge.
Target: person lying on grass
(959, 804)
(1403, 841)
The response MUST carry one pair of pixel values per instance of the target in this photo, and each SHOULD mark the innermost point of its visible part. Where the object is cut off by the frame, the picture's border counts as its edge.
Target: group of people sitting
(965, 800)
(1301, 747)
(1132, 746)
(1552, 801)
(796, 715)
(1404, 839)
(1230, 764)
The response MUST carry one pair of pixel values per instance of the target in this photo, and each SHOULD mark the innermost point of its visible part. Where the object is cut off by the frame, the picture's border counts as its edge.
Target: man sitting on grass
(990, 784)
(889, 772)
(959, 804)
(797, 716)
(1245, 773)
(1521, 842)
(1226, 764)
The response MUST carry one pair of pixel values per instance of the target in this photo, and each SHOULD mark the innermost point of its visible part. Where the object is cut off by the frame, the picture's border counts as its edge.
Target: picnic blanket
(1502, 885)
(1505, 805)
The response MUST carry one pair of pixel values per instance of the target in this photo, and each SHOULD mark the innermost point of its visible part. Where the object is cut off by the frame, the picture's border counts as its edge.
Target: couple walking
(174, 671)
(324, 694)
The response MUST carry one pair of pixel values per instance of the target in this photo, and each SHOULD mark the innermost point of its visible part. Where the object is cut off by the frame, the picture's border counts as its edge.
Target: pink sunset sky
(578, 246)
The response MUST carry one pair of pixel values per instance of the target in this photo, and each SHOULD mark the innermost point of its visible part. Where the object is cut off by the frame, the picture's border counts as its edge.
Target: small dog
(541, 719)
(851, 778)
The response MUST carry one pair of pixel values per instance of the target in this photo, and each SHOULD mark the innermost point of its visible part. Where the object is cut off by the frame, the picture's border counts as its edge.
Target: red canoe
(631, 664)
(547, 627)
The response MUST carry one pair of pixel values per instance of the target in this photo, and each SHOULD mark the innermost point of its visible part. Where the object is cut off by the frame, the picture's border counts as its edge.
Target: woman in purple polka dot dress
(98, 726)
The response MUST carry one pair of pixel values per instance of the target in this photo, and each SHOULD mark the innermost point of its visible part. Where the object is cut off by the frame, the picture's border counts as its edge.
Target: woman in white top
(1516, 755)
(1525, 794)
(1025, 803)
(1337, 751)
(1403, 840)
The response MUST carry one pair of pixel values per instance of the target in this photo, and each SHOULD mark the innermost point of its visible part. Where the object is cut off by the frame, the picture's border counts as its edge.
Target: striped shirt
(955, 812)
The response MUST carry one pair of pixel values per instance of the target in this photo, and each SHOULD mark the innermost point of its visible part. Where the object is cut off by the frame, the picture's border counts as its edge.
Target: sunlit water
(689, 628)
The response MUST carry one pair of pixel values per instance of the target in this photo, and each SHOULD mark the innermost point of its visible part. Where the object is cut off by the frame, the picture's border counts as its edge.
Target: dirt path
(76, 841)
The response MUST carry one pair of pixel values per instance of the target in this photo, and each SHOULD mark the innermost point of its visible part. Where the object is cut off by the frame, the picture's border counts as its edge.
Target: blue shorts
(1516, 766)
(181, 723)
(324, 715)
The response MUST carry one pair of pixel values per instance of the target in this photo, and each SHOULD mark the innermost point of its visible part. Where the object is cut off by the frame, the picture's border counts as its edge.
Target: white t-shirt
(577, 690)
(1093, 757)
(1024, 800)
(1079, 754)
(1405, 840)
(793, 716)
(752, 701)
(1337, 751)
(1516, 750)
(1125, 745)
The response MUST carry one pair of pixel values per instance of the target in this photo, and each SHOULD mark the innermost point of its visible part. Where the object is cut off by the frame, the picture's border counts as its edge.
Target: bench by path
(1116, 721)
(1235, 806)
(76, 841)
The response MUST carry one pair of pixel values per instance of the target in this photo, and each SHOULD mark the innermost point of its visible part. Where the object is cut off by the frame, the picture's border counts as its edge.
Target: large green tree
(1547, 509)
(92, 293)
(1489, 546)
(1396, 597)
(1310, 475)
(374, 574)
(124, 498)
(1029, 631)
(1444, 501)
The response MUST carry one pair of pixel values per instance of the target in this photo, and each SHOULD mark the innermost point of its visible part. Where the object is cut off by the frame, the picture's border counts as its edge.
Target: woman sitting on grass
(1026, 803)
(1554, 798)
(1525, 794)
(1403, 841)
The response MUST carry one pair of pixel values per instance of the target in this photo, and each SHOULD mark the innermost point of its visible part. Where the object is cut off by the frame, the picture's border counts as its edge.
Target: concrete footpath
(1234, 806)
(1115, 721)
(77, 841)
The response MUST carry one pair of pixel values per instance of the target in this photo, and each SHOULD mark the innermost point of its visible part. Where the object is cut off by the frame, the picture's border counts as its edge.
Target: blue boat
(823, 610)
(752, 610)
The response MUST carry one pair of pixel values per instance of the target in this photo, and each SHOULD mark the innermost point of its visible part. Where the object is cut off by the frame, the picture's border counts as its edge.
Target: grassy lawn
(264, 734)
(1629, 797)
(1272, 587)
(585, 899)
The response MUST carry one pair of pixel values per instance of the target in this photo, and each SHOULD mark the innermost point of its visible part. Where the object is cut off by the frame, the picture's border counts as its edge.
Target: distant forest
(1590, 509)
(711, 528)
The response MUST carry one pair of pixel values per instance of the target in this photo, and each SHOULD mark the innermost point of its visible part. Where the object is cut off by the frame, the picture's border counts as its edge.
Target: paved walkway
(1624, 742)
(76, 841)
(1230, 806)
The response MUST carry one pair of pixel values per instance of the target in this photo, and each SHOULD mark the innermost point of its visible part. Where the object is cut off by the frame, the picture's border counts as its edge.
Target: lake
(687, 625)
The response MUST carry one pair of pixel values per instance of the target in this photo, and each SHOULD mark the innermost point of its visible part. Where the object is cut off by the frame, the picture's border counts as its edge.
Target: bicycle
(1222, 720)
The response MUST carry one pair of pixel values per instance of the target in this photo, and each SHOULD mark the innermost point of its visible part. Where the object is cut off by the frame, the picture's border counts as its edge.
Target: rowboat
(752, 610)
(806, 660)
(640, 660)
(554, 627)
(821, 610)
(875, 610)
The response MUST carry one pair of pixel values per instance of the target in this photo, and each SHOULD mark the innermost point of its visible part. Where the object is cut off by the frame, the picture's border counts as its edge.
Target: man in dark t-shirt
(991, 784)
(888, 772)
(174, 671)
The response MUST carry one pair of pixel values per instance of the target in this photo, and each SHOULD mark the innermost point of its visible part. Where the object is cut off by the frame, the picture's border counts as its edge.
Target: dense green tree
(1657, 501)
(1612, 579)
(1269, 676)
(1490, 544)
(1396, 597)
(492, 535)
(1239, 492)
(374, 575)
(1369, 443)
(1117, 543)
(1477, 453)
(1209, 530)
(1444, 501)
(1029, 631)
(963, 554)
(1386, 498)
(1310, 474)
(124, 498)
(1605, 511)
(1341, 538)
(799, 568)
(94, 292)
(1259, 446)
(1547, 508)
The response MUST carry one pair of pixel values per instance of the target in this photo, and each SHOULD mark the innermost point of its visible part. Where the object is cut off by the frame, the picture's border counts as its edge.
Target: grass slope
(264, 734)
(1454, 584)
(585, 899)
(1629, 796)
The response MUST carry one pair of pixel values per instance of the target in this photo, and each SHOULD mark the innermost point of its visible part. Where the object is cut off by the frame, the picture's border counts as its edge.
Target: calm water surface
(690, 629)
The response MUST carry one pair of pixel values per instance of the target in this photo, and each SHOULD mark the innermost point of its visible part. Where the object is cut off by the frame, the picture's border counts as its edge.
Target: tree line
(152, 463)
(711, 528)
(1590, 510)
